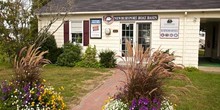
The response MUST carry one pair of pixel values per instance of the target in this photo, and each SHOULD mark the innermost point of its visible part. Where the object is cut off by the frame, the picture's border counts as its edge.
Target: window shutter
(85, 33)
(66, 32)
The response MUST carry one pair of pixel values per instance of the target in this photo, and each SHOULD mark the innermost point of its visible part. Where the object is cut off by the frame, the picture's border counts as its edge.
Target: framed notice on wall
(96, 28)
(169, 28)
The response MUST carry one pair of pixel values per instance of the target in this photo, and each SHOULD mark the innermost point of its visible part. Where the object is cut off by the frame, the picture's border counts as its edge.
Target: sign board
(169, 28)
(96, 28)
(108, 19)
(138, 17)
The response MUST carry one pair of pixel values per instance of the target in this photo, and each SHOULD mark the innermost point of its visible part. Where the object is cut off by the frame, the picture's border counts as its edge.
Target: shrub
(3, 58)
(89, 58)
(51, 46)
(70, 56)
(191, 69)
(107, 59)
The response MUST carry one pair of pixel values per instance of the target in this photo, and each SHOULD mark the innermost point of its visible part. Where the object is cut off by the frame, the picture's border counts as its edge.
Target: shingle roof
(123, 5)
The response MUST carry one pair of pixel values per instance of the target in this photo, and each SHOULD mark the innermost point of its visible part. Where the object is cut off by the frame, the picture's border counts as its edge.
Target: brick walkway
(95, 99)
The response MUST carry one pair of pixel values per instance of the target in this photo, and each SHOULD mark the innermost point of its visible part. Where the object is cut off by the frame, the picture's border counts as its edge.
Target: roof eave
(131, 11)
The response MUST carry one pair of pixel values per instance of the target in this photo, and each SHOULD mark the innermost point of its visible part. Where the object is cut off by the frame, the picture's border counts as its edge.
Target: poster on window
(95, 28)
(169, 28)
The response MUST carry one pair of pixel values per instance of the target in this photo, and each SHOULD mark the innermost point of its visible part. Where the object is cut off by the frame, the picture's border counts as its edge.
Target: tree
(19, 26)
(14, 27)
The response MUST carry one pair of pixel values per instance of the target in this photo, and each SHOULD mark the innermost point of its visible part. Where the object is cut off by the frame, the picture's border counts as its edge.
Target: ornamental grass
(146, 72)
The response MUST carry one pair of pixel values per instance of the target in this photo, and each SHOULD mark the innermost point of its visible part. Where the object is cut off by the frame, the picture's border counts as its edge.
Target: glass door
(144, 34)
(127, 33)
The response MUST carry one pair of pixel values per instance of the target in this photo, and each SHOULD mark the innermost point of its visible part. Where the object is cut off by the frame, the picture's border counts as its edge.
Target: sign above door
(110, 19)
(136, 17)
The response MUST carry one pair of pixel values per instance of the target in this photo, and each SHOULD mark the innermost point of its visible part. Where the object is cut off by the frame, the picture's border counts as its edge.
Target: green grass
(76, 81)
(79, 81)
(201, 52)
(207, 97)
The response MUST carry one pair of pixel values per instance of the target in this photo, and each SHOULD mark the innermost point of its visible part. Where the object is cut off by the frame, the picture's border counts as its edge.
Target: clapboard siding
(186, 47)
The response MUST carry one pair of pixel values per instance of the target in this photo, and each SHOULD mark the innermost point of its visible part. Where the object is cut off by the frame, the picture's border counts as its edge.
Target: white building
(152, 23)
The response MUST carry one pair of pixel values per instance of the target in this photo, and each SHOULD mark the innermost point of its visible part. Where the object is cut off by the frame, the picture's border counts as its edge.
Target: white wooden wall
(186, 47)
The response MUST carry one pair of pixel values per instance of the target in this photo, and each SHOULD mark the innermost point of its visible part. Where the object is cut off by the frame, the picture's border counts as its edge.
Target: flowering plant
(26, 91)
(30, 96)
(112, 104)
(145, 104)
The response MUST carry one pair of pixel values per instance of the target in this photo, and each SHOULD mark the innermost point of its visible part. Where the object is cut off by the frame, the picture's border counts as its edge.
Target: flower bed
(26, 90)
(30, 96)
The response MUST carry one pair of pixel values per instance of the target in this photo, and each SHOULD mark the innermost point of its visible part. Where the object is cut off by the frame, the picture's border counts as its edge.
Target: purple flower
(154, 108)
(133, 104)
(155, 100)
(143, 108)
(26, 88)
(38, 93)
(143, 101)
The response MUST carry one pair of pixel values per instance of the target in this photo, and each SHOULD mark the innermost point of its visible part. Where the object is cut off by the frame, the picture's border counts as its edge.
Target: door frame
(135, 33)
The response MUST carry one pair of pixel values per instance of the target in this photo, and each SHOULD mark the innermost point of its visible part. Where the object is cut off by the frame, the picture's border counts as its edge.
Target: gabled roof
(126, 5)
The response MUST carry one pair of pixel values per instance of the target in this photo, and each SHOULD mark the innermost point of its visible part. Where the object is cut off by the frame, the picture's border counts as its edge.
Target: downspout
(184, 30)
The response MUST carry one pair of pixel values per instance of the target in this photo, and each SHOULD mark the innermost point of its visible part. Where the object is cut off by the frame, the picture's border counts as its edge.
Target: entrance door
(127, 33)
(144, 34)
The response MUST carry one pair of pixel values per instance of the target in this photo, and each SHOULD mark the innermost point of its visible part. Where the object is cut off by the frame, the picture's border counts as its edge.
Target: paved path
(95, 99)
(210, 69)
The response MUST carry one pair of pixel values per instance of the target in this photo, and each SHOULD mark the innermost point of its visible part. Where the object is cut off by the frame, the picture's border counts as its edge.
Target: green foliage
(51, 46)
(191, 69)
(14, 28)
(70, 56)
(89, 58)
(107, 59)
(3, 58)
(19, 26)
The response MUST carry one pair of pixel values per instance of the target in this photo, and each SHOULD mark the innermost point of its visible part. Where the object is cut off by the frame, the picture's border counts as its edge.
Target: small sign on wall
(169, 28)
(96, 28)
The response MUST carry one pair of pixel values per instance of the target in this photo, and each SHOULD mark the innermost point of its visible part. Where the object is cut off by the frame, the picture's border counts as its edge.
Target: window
(76, 32)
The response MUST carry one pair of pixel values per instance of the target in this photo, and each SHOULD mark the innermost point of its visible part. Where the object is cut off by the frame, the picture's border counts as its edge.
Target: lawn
(79, 81)
(76, 81)
(207, 97)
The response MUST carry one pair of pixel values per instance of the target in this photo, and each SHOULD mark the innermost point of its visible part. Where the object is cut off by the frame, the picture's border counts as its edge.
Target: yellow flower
(44, 80)
(15, 91)
(32, 104)
(39, 98)
(62, 88)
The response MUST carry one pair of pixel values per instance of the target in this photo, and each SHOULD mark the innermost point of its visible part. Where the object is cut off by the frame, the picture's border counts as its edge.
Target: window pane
(123, 26)
(131, 34)
(131, 26)
(76, 37)
(123, 33)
